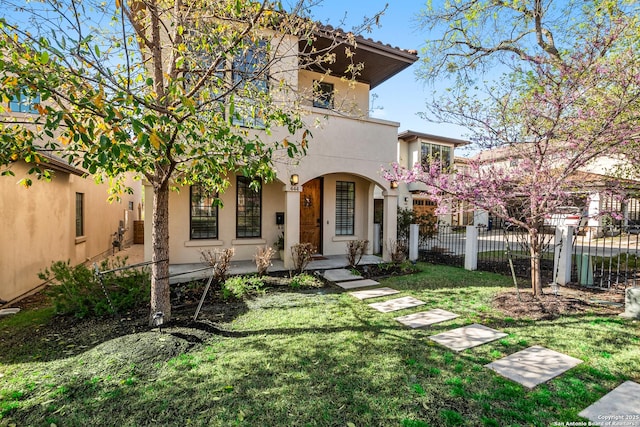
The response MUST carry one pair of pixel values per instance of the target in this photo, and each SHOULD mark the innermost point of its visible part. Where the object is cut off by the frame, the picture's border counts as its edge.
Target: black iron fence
(602, 256)
(607, 257)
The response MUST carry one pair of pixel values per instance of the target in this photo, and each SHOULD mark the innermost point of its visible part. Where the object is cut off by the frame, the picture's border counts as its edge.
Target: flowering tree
(568, 94)
(174, 92)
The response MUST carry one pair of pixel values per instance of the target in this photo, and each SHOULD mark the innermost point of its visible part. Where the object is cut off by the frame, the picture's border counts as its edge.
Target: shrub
(220, 261)
(355, 251)
(302, 254)
(241, 286)
(263, 259)
(427, 222)
(398, 250)
(305, 280)
(77, 289)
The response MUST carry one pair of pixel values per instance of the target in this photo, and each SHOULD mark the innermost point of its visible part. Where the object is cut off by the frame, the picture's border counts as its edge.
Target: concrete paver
(533, 366)
(373, 293)
(467, 337)
(621, 406)
(364, 283)
(396, 304)
(426, 318)
(340, 275)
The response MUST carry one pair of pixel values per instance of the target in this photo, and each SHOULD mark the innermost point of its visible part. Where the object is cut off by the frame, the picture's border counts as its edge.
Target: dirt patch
(127, 337)
(568, 301)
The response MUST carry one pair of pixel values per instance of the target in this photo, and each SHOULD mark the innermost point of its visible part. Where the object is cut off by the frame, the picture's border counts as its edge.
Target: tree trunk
(160, 292)
(535, 252)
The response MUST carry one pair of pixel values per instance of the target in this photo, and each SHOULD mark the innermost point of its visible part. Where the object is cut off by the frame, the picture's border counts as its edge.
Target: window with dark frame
(434, 152)
(79, 214)
(248, 209)
(345, 208)
(249, 73)
(203, 218)
(24, 104)
(323, 95)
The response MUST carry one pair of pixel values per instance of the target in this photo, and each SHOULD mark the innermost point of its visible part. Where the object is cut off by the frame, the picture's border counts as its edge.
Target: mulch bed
(569, 301)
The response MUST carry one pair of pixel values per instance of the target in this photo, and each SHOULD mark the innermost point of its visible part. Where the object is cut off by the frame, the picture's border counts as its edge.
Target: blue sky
(402, 96)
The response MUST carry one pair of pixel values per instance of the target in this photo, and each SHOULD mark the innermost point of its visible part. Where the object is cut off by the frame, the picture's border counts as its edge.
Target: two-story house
(68, 218)
(327, 198)
(422, 148)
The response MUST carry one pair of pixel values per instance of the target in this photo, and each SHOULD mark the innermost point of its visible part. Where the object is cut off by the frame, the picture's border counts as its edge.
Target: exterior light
(294, 179)
(394, 184)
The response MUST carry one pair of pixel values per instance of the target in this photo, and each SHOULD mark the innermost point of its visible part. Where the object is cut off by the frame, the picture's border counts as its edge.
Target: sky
(402, 96)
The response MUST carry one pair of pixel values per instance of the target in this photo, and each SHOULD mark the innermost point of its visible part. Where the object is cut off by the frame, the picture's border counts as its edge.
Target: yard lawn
(320, 358)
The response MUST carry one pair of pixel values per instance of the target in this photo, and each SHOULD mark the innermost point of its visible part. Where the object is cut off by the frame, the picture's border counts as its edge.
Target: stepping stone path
(534, 365)
(530, 367)
(373, 293)
(426, 318)
(396, 304)
(467, 337)
(621, 406)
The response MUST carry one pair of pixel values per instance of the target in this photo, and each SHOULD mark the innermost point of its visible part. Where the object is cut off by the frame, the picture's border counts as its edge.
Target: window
(204, 214)
(79, 214)
(248, 209)
(345, 208)
(322, 95)
(435, 152)
(24, 104)
(251, 77)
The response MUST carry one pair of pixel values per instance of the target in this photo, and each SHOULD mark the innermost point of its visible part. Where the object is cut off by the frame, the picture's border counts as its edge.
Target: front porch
(180, 273)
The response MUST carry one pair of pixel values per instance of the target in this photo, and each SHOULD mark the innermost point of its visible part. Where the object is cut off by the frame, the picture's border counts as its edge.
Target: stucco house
(68, 218)
(418, 147)
(327, 198)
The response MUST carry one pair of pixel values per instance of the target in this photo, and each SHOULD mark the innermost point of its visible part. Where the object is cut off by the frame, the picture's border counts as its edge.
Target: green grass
(319, 358)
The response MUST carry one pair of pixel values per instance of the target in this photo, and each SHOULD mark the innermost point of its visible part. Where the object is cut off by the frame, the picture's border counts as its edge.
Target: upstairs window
(204, 214)
(322, 95)
(24, 104)
(435, 153)
(251, 77)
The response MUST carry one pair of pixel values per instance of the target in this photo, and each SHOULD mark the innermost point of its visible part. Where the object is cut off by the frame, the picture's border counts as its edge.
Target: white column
(390, 222)
(291, 222)
(471, 248)
(563, 255)
(414, 230)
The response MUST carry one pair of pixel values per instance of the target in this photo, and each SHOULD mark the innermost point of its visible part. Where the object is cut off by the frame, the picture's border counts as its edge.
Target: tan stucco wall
(351, 98)
(183, 250)
(38, 226)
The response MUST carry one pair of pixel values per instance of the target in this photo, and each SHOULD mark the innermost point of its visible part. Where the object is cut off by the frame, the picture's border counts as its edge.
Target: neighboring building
(68, 218)
(327, 199)
(593, 197)
(416, 147)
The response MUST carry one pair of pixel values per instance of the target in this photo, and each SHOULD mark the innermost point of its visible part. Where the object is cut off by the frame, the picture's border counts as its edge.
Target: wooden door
(311, 214)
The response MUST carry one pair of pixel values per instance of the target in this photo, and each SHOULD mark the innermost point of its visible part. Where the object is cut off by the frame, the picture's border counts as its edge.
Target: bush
(427, 222)
(220, 260)
(305, 280)
(263, 259)
(355, 251)
(77, 290)
(241, 286)
(302, 254)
